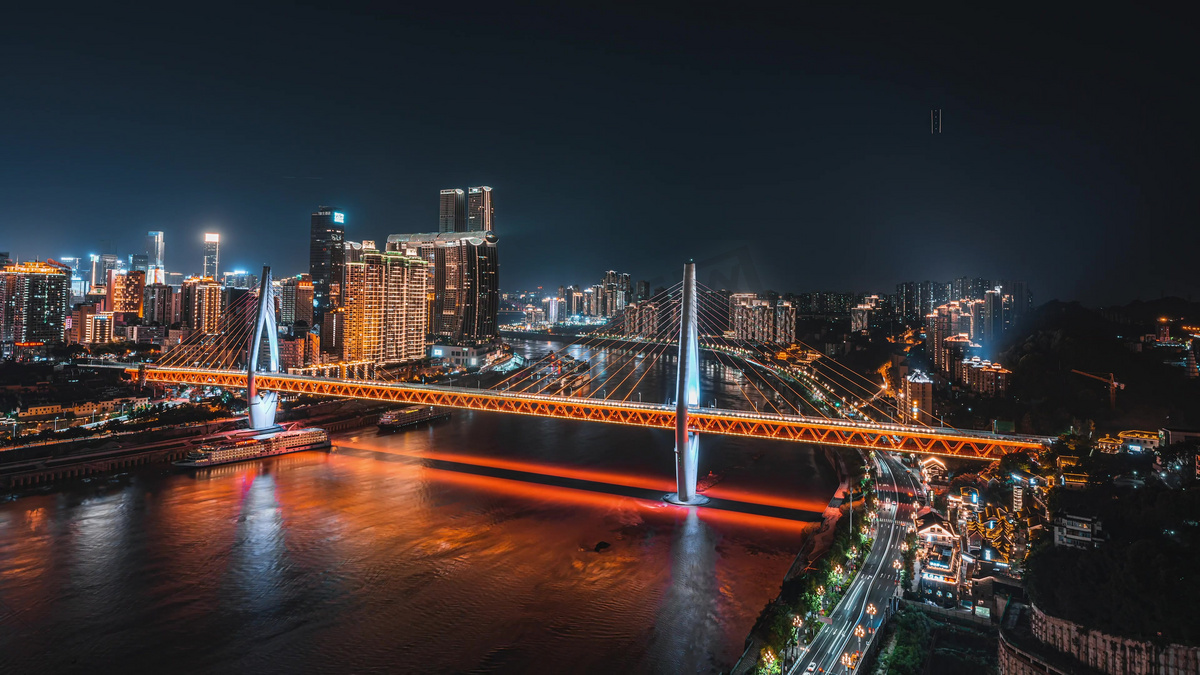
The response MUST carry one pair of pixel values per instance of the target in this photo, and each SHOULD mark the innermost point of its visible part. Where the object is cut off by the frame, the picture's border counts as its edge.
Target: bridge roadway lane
(875, 583)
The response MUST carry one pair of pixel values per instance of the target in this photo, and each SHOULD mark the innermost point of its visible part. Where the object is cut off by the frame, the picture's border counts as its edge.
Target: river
(465, 546)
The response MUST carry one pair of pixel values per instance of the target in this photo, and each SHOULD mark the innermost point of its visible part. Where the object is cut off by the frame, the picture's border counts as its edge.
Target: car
(811, 668)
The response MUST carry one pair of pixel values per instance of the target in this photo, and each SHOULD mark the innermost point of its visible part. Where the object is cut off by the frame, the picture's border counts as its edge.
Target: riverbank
(38, 465)
(814, 546)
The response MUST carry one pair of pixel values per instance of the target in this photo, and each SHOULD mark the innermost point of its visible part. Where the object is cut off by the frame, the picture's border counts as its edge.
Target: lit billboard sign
(339, 217)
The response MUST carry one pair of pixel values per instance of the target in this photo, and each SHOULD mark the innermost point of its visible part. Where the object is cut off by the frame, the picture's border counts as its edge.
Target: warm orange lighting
(866, 436)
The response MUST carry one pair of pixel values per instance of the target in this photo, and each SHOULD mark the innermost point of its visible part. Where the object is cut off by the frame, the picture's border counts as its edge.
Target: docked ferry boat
(406, 417)
(257, 446)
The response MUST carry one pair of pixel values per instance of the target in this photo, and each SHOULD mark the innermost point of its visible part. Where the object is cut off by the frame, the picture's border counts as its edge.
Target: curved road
(874, 584)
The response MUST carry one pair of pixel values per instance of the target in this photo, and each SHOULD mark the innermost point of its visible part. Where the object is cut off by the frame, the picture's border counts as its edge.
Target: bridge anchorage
(687, 396)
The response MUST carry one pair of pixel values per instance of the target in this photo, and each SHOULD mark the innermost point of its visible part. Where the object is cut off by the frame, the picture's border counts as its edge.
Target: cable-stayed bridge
(240, 351)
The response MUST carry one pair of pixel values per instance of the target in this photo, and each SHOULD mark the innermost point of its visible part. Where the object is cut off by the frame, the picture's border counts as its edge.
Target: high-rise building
(160, 305)
(916, 399)
(240, 279)
(33, 303)
(993, 316)
(212, 254)
(385, 306)
(326, 260)
(465, 285)
(200, 304)
(155, 249)
(761, 320)
(296, 300)
(452, 211)
(139, 262)
(125, 292)
(405, 307)
(479, 209)
(362, 298)
(906, 299)
(101, 264)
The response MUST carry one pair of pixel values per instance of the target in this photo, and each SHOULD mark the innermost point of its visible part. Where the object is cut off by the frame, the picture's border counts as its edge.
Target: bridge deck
(901, 438)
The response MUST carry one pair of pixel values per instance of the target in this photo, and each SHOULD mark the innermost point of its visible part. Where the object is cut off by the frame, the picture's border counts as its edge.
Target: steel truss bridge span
(867, 435)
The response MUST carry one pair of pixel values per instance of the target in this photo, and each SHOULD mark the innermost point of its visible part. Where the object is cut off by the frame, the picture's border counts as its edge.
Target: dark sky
(794, 139)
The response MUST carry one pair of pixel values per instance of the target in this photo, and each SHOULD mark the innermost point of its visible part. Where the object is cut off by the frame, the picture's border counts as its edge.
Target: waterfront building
(464, 285)
(385, 307)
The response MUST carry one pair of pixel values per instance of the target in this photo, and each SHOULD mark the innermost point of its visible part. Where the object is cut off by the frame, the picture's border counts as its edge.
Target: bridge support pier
(263, 404)
(687, 395)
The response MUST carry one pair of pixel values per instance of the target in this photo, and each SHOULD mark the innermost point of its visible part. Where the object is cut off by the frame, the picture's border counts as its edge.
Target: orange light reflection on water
(518, 488)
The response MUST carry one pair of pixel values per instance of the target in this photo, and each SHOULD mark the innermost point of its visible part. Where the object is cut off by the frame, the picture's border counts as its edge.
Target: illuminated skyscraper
(125, 292)
(200, 304)
(452, 211)
(465, 281)
(479, 209)
(385, 307)
(212, 254)
(296, 300)
(160, 305)
(326, 260)
(33, 303)
(155, 250)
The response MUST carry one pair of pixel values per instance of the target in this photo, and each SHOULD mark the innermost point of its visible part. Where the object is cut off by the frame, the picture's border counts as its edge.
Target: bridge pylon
(687, 396)
(263, 404)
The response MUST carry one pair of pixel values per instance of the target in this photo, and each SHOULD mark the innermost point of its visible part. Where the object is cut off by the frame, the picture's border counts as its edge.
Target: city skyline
(825, 152)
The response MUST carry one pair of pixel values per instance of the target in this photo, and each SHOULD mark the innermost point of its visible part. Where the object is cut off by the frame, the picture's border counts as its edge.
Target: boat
(257, 446)
(407, 417)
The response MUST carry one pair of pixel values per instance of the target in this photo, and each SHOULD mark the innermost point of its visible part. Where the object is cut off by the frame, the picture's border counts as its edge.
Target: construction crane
(1110, 380)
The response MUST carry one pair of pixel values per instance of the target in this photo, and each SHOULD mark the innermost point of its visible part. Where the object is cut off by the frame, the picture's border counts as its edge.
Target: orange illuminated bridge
(856, 434)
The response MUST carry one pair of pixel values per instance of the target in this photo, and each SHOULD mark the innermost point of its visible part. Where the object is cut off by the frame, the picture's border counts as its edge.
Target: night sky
(794, 140)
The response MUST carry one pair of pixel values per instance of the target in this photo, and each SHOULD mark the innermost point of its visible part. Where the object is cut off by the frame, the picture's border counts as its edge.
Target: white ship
(266, 444)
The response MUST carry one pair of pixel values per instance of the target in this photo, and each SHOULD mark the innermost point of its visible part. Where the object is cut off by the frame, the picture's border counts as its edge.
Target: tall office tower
(212, 254)
(405, 307)
(200, 304)
(906, 296)
(160, 305)
(155, 249)
(479, 209)
(326, 260)
(101, 264)
(452, 211)
(33, 303)
(363, 294)
(465, 288)
(139, 262)
(296, 300)
(993, 316)
(125, 292)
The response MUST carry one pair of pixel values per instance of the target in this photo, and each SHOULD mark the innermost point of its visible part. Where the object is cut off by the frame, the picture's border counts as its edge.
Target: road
(875, 583)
